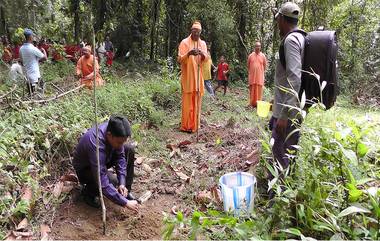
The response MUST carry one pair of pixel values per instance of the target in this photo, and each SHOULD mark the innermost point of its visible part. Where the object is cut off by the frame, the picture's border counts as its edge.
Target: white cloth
(30, 56)
(16, 74)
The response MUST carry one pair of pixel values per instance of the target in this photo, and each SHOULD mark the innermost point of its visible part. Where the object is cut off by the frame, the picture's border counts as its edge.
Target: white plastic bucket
(238, 192)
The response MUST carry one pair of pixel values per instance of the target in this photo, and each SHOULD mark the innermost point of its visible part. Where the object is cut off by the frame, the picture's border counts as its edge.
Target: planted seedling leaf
(293, 231)
(362, 149)
(218, 141)
(352, 210)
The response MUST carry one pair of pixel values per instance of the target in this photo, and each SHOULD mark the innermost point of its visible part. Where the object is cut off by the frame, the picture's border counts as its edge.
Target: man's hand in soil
(123, 190)
(133, 205)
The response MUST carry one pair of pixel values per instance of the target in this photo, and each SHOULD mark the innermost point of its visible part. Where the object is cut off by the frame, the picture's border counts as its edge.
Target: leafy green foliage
(330, 192)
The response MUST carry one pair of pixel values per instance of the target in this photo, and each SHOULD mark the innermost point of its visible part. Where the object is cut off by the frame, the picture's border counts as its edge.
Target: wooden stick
(53, 98)
(198, 97)
(97, 133)
(9, 92)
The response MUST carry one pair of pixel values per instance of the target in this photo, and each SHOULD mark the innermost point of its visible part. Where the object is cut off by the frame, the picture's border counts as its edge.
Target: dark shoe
(92, 201)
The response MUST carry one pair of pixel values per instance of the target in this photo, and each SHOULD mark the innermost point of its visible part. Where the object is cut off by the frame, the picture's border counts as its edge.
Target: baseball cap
(28, 32)
(289, 9)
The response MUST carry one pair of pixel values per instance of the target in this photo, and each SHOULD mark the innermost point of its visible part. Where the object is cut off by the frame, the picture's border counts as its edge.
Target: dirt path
(186, 168)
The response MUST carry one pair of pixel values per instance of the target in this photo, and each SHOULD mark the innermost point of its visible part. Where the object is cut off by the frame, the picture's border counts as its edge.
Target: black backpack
(320, 55)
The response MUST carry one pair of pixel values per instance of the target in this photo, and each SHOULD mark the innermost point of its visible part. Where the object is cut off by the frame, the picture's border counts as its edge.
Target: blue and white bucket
(238, 192)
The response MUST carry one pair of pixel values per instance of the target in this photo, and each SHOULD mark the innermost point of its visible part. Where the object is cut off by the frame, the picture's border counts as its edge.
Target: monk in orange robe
(257, 64)
(192, 53)
(85, 69)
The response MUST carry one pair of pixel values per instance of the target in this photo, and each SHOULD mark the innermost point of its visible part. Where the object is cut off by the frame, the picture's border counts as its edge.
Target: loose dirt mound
(76, 220)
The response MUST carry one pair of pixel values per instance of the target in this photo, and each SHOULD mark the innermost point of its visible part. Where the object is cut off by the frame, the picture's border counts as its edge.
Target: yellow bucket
(263, 108)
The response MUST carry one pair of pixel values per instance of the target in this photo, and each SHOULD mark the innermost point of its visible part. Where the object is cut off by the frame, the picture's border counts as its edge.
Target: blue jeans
(208, 87)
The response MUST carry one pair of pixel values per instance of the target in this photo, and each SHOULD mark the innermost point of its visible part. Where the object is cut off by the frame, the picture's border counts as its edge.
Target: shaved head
(257, 47)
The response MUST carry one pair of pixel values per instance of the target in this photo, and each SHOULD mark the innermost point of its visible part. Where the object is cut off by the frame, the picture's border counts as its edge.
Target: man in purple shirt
(112, 153)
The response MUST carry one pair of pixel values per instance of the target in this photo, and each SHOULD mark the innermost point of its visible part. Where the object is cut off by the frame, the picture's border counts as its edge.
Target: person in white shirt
(30, 57)
(15, 74)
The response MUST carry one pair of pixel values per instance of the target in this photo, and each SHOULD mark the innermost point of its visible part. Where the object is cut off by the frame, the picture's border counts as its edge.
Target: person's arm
(293, 58)
(248, 62)
(40, 55)
(108, 189)
(79, 68)
(44, 53)
(183, 54)
(121, 166)
(227, 69)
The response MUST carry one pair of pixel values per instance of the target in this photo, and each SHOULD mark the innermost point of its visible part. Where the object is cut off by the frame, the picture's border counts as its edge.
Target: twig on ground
(53, 98)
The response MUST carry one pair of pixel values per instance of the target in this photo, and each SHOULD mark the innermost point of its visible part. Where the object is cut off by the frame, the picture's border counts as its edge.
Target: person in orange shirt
(7, 51)
(257, 64)
(192, 53)
(85, 69)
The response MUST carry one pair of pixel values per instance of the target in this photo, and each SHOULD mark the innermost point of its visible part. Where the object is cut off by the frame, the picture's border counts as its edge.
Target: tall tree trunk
(76, 20)
(3, 21)
(304, 14)
(155, 14)
(275, 46)
(174, 21)
(102, 11)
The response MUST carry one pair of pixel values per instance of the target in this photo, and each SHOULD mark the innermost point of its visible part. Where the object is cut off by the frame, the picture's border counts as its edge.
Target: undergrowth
(331, 192)
(37, 141)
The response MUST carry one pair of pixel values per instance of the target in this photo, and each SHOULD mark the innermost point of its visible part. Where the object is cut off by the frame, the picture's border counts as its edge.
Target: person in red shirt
(222, 74)
(16, 51)
(110, 56)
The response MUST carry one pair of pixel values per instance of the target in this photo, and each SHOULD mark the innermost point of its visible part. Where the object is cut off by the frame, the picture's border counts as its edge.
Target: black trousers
(86, 177)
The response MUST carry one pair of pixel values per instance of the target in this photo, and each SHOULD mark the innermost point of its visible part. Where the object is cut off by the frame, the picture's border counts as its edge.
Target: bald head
(257, 47)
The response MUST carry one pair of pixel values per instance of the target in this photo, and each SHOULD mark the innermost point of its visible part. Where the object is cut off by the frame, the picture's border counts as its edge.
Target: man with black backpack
(285, 118)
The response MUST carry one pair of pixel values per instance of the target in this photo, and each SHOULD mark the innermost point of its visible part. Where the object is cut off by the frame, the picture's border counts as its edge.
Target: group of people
(194, 58)
(195, 62)
(25, 59)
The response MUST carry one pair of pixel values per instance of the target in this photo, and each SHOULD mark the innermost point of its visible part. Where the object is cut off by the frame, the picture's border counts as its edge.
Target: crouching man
(113, 152)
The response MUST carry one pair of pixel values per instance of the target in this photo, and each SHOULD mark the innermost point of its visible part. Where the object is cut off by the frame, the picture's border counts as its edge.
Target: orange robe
(192, 92)
(85, 67)
(257, 64)
(7, 54)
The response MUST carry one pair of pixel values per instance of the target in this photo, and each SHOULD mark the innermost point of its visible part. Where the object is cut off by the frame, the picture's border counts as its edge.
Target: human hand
(133, 205)
(193, 52)
(281, 126)
(123, 190)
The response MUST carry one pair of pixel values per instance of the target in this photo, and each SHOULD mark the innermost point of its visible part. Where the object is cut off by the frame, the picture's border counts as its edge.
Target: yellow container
(263, 108)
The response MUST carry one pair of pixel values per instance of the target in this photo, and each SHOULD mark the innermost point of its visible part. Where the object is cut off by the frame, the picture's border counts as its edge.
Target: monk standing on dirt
(112, 153)
(257, 64)
(192, 53)
(85, 69)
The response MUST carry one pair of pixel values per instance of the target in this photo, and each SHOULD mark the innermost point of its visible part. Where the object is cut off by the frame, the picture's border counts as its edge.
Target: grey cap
(289, 9)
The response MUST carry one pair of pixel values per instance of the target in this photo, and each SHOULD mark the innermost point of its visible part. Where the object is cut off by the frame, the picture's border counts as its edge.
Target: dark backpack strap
(282, 45)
